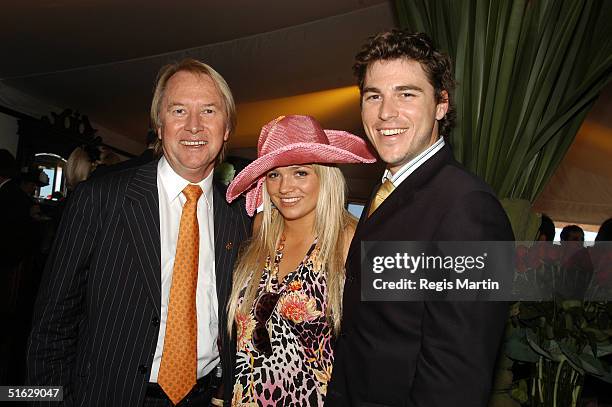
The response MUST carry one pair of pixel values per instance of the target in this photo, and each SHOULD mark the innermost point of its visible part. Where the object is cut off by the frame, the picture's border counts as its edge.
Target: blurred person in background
(14, 223)
(595, 389)
(18, 242)
(546, 232)
(148, 155)
(88, 161)
(572, 233)
(30, 180)
(605, 231)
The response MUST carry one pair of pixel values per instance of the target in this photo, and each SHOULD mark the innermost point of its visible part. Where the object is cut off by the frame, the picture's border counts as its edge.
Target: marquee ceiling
(101, 57)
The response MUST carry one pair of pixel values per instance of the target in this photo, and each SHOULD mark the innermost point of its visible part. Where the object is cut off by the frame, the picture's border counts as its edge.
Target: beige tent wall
(580, 190)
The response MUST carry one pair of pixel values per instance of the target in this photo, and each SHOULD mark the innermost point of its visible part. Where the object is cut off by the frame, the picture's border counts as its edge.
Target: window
(355, 209)
(53, 165)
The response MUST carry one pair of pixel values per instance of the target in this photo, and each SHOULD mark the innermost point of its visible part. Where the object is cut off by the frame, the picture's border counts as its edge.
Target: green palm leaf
(527, 72)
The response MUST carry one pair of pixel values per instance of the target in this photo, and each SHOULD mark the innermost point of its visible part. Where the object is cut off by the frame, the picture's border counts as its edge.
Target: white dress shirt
(411, 166)
(171, 200)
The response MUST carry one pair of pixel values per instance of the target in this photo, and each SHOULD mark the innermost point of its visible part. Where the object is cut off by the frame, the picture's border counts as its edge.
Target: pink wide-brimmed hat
(292, 140)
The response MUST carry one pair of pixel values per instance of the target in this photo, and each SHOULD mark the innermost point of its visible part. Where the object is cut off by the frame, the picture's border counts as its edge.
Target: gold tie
(383, 192)
(177, 372)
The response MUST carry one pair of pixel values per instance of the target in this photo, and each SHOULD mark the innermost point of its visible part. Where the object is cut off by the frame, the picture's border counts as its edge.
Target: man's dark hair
(565, 232)
(402, 44)
(547, 228)
(605, 231)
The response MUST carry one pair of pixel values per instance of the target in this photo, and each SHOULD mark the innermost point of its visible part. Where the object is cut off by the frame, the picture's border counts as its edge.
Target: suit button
(155, 321)
(142, 369)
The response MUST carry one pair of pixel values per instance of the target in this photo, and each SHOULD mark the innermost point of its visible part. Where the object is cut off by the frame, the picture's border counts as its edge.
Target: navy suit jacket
(426, 354)
(96, 319)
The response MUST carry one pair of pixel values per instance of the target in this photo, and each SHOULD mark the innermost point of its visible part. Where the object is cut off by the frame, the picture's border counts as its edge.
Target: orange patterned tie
(383, 192)
(177, 372)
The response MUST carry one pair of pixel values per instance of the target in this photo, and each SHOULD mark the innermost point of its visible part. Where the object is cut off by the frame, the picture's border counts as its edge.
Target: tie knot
(381, 194)
(192, 192)
(386, 188)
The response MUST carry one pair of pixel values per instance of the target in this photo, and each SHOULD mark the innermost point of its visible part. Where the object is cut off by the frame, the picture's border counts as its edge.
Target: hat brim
(344, 148)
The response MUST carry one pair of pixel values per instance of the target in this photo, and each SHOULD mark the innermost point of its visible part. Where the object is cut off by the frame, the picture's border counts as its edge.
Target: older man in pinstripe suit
(110, 303)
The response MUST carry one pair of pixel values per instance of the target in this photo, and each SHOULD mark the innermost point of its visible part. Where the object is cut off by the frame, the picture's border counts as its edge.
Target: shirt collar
(408, 168)
(174, 183)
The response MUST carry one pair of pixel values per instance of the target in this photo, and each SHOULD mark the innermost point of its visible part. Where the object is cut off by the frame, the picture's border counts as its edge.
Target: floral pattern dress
(297, 372)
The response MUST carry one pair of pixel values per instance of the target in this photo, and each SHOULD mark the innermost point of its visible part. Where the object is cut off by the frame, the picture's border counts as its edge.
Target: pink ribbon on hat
(254, 198)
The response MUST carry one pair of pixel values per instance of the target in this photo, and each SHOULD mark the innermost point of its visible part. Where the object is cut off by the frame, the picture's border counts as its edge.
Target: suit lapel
(221, 220)
(401, 197)
(363, 219)
(142, 213)
(405, 192)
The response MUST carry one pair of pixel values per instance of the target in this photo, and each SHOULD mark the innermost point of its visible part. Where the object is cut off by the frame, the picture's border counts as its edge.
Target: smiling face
(193, 124)
(399, 110)
(294, 190)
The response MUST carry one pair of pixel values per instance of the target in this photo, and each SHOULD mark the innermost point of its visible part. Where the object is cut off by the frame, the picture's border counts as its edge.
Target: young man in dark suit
(428, 353)
(132, 304)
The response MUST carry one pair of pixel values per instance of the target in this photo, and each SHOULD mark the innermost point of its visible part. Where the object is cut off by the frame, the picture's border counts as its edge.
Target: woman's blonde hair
(331, 222)
(78, 167)
(84, 160)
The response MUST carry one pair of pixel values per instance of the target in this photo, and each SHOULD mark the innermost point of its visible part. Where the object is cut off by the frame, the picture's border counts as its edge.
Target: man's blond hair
(195, 67)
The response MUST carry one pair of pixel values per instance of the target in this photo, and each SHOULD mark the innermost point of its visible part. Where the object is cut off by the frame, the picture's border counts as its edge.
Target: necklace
(278, 256)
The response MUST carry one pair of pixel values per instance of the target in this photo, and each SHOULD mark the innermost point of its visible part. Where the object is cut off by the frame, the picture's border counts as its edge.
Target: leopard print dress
(297, 372)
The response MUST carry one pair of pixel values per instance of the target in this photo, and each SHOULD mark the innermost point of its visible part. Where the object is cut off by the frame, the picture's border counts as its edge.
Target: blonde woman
(287, 292)
(86, 161)
(80, 164)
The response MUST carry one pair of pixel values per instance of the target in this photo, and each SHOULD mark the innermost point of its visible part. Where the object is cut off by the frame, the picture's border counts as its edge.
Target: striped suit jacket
(96, 319)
